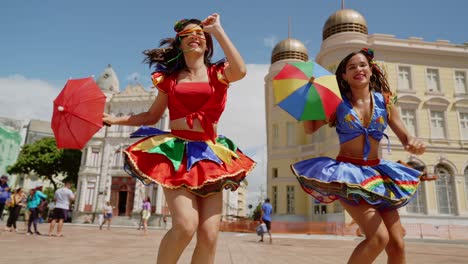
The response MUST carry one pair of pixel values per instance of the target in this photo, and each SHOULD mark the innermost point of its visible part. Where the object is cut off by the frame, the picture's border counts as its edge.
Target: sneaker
(29, 233)
(37, 233)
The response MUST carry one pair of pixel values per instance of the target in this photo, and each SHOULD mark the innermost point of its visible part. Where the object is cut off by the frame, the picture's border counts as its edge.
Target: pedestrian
(17, 203)
(370, 190)
(267, 210)
(146, 213)
(192, 162)
(4, 193)
(107, 211)
(62, 199)
(34, 200)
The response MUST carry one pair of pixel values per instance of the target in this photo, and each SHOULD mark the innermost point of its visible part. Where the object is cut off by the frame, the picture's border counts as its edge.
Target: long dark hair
(170, 56)
(378, 80)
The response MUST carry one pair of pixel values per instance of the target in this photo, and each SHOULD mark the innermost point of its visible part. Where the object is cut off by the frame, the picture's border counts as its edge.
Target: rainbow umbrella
(306, 91)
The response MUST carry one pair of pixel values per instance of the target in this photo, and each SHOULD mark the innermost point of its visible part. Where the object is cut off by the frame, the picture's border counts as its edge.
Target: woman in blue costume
(192, 163)
(369, 189)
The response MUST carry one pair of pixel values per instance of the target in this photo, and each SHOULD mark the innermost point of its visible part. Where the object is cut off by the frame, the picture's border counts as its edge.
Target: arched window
(117, 159)
(445, 190)
(466, 182)
(418, 204)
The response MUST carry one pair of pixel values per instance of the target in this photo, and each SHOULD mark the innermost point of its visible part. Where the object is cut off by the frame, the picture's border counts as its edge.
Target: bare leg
(372, 224)
(184, 210)
(59, 227)
(210, 209)
(396, 246)
(145, 226)
(51, 227)
(109, 223)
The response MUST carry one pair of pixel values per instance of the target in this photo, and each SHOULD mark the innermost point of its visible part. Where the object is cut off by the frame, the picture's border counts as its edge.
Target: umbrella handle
(106, 124)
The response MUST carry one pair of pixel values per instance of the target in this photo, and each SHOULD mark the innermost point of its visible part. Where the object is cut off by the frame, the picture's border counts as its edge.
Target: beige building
(430, 79)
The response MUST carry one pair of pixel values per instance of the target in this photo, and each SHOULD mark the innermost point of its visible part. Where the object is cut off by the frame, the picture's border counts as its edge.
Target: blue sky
(45, 42)
(54, 39)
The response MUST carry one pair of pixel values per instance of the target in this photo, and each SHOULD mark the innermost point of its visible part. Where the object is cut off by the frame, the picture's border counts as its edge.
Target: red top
(195, 100)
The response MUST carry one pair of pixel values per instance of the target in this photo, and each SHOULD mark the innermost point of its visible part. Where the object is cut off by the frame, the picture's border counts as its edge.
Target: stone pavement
(122, 245)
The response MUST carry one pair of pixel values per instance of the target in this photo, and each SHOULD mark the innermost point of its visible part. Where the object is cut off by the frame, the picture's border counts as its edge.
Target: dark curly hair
(170, 56)
(378, 81)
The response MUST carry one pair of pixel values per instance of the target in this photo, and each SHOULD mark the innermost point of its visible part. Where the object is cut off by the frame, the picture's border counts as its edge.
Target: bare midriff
(181, 124)
(355, 148)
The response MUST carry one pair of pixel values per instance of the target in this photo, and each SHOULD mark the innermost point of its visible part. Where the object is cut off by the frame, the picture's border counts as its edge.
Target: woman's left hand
(211, 23)
(415, 146)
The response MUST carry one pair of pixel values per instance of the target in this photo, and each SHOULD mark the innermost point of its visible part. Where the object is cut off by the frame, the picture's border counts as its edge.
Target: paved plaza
(122, 245)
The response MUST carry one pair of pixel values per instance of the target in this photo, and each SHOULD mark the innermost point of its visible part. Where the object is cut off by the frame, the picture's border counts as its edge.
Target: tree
(47, 161)
(257, 213)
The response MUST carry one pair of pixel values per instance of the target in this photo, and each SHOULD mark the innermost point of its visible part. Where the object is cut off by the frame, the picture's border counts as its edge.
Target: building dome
(344, 20)
(289, 49)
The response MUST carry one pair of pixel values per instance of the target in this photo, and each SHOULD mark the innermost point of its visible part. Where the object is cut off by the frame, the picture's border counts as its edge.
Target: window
(432, 78)
(445, 191)
(94, 162)
(460, 82)
(275, 135)
(466, 183)
(418, 204)
(117, 159)
(290, 199)
(409, 119)
(90, 193)
(274, 172)
(404, 78)
(290, 133)
(274, 193)
(464, 125)
(437, 124)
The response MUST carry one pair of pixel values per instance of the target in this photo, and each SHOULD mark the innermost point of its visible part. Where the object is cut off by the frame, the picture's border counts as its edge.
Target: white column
(159, 200)
(82, 194)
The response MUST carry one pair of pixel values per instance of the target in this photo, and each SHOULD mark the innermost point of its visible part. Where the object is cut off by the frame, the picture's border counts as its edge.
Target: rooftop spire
(289, 27)
(342, 4)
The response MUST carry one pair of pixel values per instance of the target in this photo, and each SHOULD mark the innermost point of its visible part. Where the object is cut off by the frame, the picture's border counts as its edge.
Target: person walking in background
(62, 198)
(4, 193)
(265, 217)
(370, 190)
(18, 200)
(192, 162)
(34, 199)
(107, 211)
(146, 213)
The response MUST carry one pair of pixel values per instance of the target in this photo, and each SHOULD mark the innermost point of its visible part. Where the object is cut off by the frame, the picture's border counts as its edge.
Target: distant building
(10, 142)
(430, 79)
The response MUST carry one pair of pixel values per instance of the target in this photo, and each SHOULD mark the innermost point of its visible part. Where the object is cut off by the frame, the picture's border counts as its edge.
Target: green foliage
(47, 161)
(50, 193)
(257, 213)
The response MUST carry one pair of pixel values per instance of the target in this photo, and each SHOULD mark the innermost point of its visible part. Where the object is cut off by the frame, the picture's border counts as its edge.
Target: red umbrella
(77, 113)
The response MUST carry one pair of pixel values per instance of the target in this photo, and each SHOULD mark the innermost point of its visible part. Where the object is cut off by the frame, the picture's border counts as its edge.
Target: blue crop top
(349, 126)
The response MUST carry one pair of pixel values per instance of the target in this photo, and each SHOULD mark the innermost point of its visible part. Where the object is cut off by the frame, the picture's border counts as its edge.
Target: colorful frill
(201, 167)
(387, 185)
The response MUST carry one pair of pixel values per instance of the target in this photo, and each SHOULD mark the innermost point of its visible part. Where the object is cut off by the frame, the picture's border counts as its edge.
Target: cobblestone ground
(88, 244)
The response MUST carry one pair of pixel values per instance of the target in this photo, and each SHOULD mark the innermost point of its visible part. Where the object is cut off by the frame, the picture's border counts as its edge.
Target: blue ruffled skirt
(385, 184)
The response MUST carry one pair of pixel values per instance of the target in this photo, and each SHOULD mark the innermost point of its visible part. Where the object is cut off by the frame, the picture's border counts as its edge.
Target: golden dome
(344, 20)
(289, 49)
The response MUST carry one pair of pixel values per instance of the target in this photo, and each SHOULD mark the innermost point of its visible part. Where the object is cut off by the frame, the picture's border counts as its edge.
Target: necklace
(361, 101)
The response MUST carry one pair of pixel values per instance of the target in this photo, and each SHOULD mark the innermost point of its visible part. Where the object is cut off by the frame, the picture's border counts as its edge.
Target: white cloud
(270, 41)
(24, 98)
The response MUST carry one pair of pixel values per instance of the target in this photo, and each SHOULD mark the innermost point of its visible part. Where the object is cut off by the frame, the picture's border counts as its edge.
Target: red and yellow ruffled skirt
(187, 161)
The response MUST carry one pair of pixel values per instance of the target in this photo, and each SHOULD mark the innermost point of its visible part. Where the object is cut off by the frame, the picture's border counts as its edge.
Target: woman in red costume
(192, 162)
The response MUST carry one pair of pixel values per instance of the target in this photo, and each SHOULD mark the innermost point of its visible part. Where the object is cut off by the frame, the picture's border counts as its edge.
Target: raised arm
(151, 117)
(411, 144)
(236, 69)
